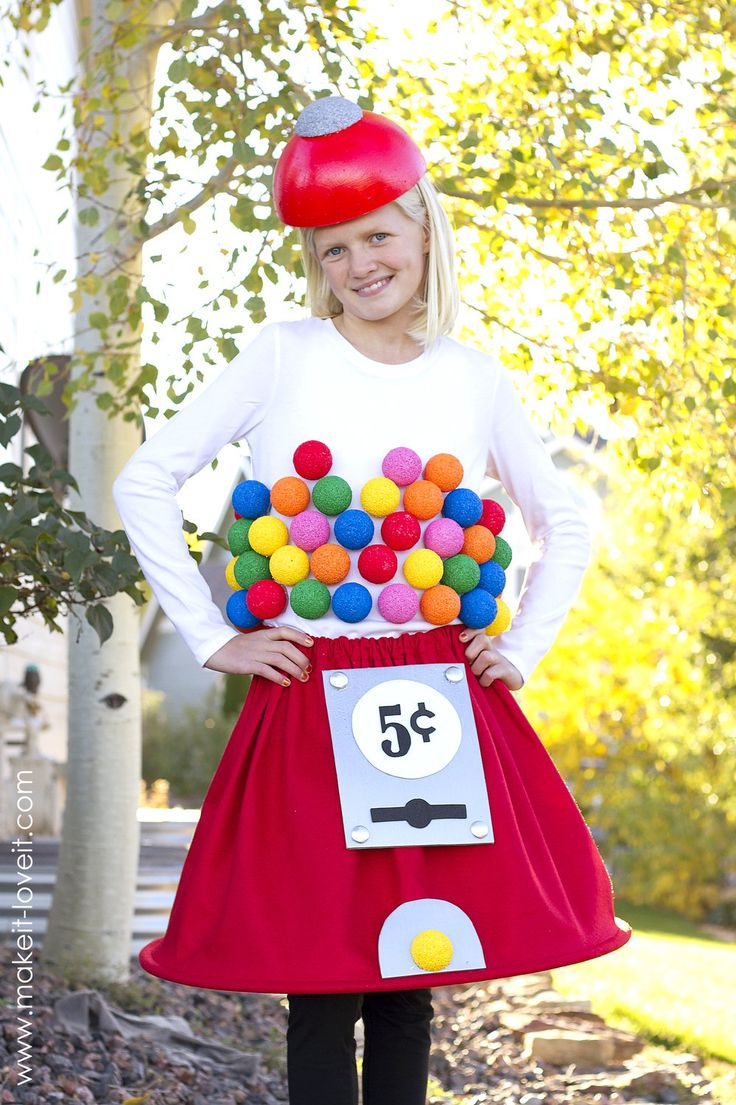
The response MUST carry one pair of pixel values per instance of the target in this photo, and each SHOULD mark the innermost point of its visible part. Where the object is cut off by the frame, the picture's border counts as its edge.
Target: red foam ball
(400, 530)
(312, 460)
(493, 516)
(266, 598)
(377, 563)
(237, 515)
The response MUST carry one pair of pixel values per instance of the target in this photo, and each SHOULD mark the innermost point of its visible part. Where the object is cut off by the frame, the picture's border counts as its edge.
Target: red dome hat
(342, 162)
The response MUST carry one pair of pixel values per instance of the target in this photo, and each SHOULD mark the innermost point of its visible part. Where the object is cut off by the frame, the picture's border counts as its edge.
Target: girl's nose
(362, 264)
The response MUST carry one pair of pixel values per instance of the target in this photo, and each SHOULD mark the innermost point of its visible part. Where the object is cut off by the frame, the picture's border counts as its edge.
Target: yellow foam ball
(431, 950)
(267, 534)
(502, 620)
(380, 496)
(289, 565)
(423, 568)
(230, 575)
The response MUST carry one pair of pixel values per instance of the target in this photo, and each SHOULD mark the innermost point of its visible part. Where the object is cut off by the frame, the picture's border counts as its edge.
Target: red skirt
(271, 900)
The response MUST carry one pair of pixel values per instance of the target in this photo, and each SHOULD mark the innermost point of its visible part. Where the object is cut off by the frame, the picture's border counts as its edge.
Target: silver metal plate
(406, 751)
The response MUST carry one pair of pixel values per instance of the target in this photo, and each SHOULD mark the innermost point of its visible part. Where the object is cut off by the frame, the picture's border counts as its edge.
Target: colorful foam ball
(267, 534)
(400, 530)
(493, 516)
(444, 537)
(478, 542)
(238, 612)
(492, 577)
(502, 555)
(251, 498)
(332, 495)
(266, 598)
(502, 620)
(249, 567)
(237, 536)
(463, 506)
(236, 515)
(230, 575)
(289, 496)
(312, 460)
(352, 602)
(445, 470)
(398, 603)
(354, 529)
(477, 608)
(431, 950)
(330, 563)
(423, 499)
(310, 599)
(461, 572)
(380, 496)
(288, 564)
(309, 530)
(423, 568)
(440, 604)
(378, 563)
(402, 465)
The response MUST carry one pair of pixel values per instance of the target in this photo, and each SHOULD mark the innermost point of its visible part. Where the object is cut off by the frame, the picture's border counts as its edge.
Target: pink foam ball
(398, 602)
(444, 536)
(309, 530)
(402, 465)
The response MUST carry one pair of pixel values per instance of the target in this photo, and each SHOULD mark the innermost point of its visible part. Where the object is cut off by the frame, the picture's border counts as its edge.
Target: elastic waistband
(428, 646)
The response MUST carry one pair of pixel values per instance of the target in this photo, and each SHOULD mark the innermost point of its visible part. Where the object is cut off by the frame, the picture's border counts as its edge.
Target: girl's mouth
(374, 288)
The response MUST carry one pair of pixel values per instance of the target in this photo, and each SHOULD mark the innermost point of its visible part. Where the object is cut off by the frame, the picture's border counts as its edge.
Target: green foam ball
(502, 555)
(309, 598)
(462, 573)
(237, 536)
(332, 495)
(250, 567)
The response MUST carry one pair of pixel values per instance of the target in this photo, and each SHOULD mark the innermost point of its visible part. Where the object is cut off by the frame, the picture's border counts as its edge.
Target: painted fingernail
(304, 677)
(309, 641)
(285, 682)
(463, 636)
(309, 667)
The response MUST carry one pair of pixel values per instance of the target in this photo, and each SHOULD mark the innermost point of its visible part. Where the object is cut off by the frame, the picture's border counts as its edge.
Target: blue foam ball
(251, 499)
(492, 577)
(354, 529)
(463, 506)
(352, 602)
(477, 608)
(238, 612)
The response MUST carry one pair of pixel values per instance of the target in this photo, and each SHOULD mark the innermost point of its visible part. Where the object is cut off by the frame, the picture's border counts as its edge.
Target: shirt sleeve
(145, 490)
(519, 459)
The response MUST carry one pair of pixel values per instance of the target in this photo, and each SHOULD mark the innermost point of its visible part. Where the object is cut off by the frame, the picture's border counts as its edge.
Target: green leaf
(100, 618)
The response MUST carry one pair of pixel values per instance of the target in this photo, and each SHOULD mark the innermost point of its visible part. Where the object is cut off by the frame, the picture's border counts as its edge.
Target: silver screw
(338, 680)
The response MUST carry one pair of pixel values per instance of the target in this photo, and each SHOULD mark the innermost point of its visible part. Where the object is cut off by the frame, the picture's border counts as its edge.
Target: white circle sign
(406, 728)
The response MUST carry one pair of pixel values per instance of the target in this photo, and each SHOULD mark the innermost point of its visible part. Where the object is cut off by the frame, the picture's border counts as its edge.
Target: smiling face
(374, 264)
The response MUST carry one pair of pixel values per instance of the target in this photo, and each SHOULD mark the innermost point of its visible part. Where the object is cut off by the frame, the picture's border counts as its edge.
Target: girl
(383, 818)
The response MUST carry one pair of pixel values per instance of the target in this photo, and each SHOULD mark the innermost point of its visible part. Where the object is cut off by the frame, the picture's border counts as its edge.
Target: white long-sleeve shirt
(303, 380)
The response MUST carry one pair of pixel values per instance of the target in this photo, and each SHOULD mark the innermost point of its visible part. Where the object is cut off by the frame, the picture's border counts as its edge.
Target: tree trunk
(90, 923)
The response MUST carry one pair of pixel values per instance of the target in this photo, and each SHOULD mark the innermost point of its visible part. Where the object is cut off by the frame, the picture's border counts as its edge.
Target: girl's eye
(380, 234)
(333, 251)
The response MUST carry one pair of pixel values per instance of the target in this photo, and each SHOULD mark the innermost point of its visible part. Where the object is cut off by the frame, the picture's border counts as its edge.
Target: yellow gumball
(230, 575)
(502, 620)
(289, 565)
(431, 950)
(380, 496)
(267, 534)
(423, 568)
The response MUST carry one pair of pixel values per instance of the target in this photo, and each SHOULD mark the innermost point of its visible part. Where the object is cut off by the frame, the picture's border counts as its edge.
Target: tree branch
(635, 203)
(213, 187)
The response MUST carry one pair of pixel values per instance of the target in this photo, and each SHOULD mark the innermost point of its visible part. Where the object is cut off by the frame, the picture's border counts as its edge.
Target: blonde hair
(438, 298)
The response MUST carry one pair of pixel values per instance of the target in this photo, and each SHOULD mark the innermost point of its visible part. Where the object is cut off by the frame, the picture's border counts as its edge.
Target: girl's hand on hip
(268, 652)
(487, 662)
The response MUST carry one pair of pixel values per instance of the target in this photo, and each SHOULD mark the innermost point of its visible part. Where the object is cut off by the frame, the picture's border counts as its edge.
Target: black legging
(320, 1047)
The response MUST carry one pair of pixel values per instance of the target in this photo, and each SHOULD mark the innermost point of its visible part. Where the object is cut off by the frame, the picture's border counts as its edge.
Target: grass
(673, 984)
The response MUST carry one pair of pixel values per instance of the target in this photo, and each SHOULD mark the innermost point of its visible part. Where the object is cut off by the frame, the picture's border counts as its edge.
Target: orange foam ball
(330, 563)
(479, 543)
(440, 604)
(290, 496)
(423, 499)
(445, 470)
